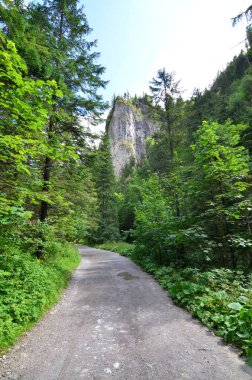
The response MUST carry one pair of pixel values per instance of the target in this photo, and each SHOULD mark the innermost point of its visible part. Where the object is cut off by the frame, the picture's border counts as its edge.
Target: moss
(127, 144)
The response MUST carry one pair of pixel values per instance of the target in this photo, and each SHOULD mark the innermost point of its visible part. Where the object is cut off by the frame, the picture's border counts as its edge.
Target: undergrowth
(220, 298)
(125, 249)
(28, 287)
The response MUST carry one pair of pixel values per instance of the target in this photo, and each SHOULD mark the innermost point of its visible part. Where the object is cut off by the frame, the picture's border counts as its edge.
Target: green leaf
(235, 306)
(249, 360)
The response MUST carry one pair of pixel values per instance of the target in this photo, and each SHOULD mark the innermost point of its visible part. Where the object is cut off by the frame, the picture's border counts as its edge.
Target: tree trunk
(177, 204)
(46, 178)
(228, 251)
(170, 141)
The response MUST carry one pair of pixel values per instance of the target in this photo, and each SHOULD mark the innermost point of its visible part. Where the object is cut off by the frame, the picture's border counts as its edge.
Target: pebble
(116, 365)
(108, 371)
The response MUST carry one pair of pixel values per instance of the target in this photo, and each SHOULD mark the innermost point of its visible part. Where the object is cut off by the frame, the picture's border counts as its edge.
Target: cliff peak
(128, 126)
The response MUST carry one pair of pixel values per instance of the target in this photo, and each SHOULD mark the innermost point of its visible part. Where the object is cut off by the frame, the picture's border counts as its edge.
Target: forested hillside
(186, 205)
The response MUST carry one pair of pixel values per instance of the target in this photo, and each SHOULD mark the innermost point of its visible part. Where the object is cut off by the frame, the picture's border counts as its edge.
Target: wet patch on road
(127, 275)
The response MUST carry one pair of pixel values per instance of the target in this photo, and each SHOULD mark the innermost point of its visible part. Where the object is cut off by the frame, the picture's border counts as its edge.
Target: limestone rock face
(128, 129)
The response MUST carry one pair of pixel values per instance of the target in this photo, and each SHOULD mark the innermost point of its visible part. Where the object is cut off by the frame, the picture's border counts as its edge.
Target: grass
(125, 249)
(29, 287)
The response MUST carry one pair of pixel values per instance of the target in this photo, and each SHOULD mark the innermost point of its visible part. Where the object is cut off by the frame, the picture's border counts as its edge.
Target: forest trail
(114, 321)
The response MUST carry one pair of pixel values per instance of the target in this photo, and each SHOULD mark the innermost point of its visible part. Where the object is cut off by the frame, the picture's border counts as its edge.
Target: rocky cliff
(128, 127)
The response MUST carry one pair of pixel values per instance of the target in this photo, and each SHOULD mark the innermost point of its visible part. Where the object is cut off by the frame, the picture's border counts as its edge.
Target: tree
(57, 30)
(239, 105)
(108, 229)
(164, 90)
(75, 71)
(222, 167)
(154, 221)
(75, 211)
(247, 14)
(30, 39)
(24, 109)
(128, 196)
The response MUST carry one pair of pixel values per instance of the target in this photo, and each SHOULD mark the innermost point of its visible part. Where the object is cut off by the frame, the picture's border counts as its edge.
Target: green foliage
(165, 93)
(30, 43)
(220, 298)
(198, 214)
(221, 186)
(29, 286)
(218, 154)
(154, 220)
(108, 229)
(52, 38)
(127, 197)
(24, 111)
(75, 211)
(125, 249)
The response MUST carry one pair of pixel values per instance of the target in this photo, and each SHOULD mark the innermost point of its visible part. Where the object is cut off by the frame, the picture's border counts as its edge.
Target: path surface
(115, 322)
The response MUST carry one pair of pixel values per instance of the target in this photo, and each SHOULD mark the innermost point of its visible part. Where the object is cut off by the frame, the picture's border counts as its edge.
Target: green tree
(24, 110)
(154, 221)
(164, 91)
(128, 195)
(108, 229)
(222, 167)
(75, 211)
(56, 32)
(247, 15)
(76, 72)
(30, 40)
(239, 105)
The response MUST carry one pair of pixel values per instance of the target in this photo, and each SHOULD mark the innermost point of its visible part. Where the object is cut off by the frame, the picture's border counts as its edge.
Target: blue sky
(136, 38)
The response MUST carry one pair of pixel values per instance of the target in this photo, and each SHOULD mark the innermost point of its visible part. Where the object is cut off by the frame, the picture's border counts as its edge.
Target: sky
(136, 38)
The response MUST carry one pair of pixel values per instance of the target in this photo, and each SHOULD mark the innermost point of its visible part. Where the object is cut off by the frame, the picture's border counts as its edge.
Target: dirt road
(115, 322)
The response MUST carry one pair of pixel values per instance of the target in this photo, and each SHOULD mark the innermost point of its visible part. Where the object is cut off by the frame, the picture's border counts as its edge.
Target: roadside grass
(29, 287)
(125, 249)
(220, 298)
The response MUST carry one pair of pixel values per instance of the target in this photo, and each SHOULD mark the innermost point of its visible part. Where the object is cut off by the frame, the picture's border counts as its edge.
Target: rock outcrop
(128, 127)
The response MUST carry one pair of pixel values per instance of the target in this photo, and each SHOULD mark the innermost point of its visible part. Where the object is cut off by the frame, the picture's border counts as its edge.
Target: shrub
(29, 286)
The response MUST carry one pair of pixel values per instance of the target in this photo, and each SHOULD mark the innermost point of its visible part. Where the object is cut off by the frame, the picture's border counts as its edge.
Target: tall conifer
(56, 33)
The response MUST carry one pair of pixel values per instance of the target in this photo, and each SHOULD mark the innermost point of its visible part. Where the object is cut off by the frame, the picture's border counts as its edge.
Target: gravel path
(114, 321)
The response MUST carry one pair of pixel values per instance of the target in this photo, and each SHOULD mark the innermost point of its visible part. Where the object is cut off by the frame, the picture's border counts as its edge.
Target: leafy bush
(29, 286)
(220, 298)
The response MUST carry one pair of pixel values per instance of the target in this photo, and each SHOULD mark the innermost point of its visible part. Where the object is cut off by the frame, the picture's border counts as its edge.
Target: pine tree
(164, 90)
(75, 72)
(108, 229)
(31, 40)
